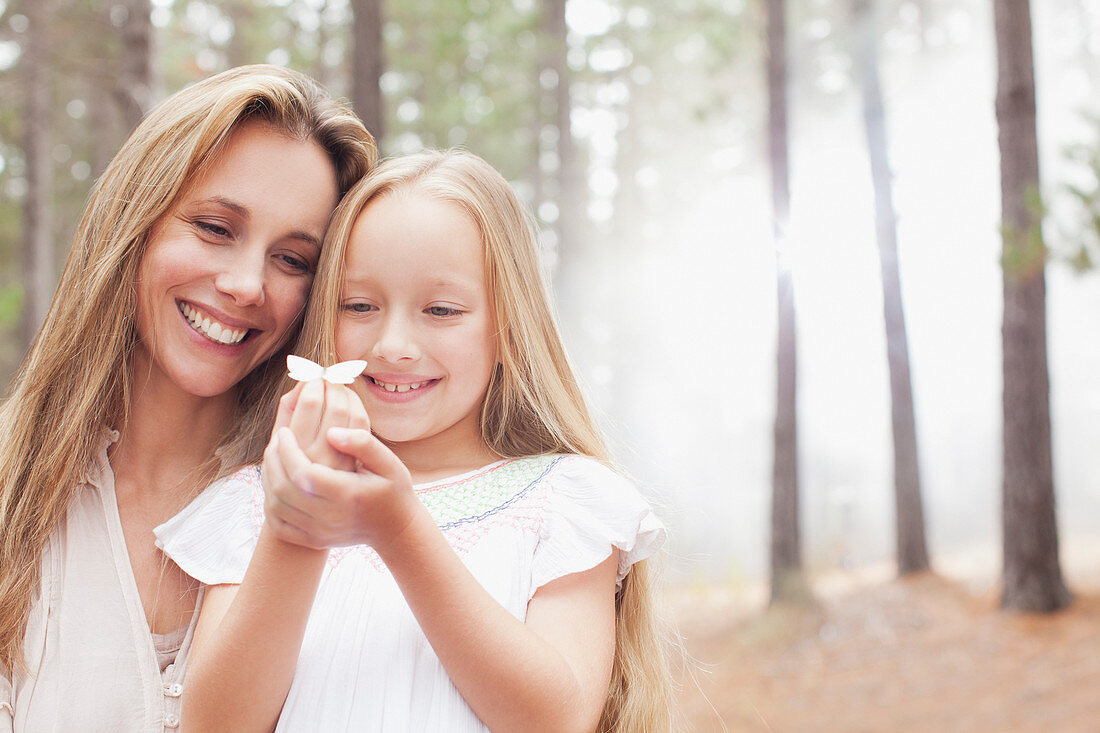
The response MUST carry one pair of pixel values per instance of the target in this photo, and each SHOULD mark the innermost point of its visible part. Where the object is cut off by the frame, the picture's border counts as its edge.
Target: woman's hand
(318, 506)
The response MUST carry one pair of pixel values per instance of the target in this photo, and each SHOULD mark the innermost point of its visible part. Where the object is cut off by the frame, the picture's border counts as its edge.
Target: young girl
(488, 567)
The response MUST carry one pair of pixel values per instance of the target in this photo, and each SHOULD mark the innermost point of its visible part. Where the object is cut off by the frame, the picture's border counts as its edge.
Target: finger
(336, 415)
(286, 406)
(285, 497)
(336, 408)
(357, 413)
(288, 532)
(368, 450)
(307, 412)
(295, 462)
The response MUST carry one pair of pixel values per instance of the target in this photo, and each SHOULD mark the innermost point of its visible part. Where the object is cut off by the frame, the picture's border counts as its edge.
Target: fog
(686, 383)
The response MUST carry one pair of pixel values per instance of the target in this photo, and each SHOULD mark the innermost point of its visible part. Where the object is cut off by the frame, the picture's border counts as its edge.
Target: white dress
(93, 664)
(365, 665)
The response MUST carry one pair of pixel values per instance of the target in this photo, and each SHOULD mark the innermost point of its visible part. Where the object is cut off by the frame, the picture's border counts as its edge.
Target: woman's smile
(213, 326)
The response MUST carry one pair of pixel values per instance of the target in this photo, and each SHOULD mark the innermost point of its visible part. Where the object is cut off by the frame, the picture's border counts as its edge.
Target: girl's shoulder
(212, 538)
(590, 510)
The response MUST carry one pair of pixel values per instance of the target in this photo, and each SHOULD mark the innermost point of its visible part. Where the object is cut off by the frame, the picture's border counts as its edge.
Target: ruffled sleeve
(590, 509)
(213, 538)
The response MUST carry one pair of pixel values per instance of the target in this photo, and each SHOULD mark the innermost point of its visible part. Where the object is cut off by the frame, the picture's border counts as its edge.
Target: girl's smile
(399, 388)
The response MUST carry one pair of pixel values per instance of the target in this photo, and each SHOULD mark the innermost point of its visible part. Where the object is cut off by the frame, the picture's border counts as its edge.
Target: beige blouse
(92, 660)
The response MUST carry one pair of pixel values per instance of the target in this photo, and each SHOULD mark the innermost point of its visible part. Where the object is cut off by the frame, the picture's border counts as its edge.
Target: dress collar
(99, 467)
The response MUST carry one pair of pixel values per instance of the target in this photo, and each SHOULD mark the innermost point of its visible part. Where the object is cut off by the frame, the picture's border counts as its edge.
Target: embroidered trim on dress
(465, 509)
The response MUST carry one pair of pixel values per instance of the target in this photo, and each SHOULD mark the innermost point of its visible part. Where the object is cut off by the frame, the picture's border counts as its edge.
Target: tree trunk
(787, 579)
(1032, 574)
(568, 281)
(368, 60)
(569, 173)
(242, 13)
(38, 257)
(321, 70)
(912, 552)
(135, 91)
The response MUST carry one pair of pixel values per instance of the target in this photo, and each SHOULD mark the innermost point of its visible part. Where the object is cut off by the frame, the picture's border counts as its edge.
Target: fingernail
(340, 435)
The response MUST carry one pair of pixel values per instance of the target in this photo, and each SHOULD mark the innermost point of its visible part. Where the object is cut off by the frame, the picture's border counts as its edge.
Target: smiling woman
(227, 271)
(155, 373)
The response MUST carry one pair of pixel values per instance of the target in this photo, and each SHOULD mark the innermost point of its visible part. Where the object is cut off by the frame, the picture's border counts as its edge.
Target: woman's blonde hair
(534, 404)
(75, 382)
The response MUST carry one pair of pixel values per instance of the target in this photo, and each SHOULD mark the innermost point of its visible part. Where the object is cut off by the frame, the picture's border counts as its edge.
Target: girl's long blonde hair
(534, 404)
(75, 381)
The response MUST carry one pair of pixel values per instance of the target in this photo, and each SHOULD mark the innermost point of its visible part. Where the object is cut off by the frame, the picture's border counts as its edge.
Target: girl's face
(416, 307)
(227, 270)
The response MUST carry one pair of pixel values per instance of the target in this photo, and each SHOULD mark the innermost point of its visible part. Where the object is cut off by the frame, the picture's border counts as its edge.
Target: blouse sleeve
(7, 711)
(213, 538)
(590, 510)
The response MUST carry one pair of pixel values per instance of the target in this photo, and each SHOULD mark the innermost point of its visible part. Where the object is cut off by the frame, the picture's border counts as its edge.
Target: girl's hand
(305, 414)
(310, 409)
(318, 506)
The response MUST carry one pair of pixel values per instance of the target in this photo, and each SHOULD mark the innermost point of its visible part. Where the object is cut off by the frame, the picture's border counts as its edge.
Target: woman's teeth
(211, 329)
(398, 387)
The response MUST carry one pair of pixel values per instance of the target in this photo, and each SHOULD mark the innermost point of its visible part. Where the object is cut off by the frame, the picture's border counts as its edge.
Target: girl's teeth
(399, 387)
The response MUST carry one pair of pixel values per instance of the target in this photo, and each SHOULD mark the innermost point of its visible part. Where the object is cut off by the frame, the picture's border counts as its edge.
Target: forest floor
(926, 654)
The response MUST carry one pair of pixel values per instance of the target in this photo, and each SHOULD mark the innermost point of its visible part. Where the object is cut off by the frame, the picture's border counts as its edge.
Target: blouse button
(173, 690)
(171, 720)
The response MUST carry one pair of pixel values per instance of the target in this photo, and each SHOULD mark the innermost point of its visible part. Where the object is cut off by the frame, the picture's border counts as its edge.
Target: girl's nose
(242, 277)
(396, 341)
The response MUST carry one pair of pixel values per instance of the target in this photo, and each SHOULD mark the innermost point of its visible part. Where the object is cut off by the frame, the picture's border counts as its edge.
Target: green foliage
(464, 74)
(1083, 243)
(1025, 252)
(11, 302)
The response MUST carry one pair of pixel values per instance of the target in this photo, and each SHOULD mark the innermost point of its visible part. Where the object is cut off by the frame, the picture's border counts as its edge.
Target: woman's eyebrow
(245, 213)
(305, 237)
(229, 204)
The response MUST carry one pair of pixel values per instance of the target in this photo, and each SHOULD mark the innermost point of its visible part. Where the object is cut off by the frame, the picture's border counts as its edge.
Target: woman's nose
(242, 277)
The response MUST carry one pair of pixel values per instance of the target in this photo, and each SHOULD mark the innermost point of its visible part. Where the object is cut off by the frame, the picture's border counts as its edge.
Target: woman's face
(227, 270)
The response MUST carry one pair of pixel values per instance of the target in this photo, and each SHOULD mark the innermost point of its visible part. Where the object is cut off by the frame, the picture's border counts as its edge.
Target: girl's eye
(442, 311)
(358, 307)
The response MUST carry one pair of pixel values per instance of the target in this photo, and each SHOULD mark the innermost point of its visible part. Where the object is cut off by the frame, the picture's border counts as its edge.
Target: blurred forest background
(693, 164)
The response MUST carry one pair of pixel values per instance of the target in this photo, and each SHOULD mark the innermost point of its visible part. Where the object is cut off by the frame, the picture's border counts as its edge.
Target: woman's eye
(215, 230)
(297, 264)
(442, 311)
